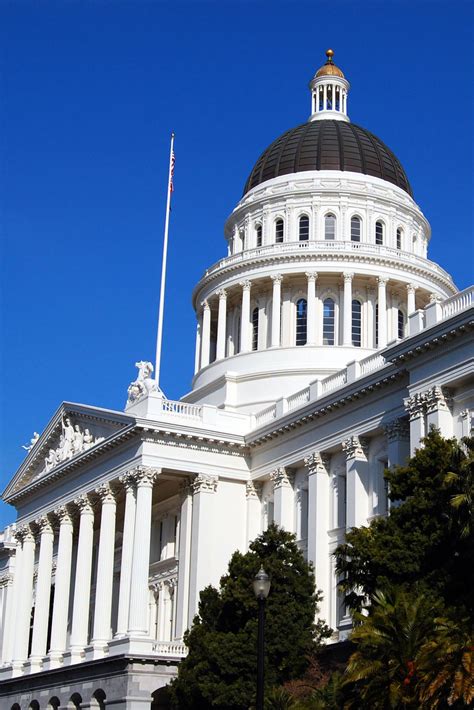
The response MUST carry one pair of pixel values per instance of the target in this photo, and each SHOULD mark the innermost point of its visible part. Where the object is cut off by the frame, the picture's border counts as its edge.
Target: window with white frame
(258, 235)
(304, 228)
(400, 324)
(379, 232)
(330, 227)
(356, 323)
(279, 231)
(301, 321)
(328, 321)
(399, 238)
(255, 329)
(355, 229)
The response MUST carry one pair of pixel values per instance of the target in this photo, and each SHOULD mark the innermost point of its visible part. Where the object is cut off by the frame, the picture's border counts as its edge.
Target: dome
(329, 68)
(328, 145)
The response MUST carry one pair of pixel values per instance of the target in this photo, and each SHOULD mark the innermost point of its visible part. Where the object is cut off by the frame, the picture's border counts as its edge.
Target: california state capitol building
(327, 344)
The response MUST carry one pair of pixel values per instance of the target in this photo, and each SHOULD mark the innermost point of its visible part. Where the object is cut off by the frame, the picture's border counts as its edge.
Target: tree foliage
(427, 538)
(220, 669)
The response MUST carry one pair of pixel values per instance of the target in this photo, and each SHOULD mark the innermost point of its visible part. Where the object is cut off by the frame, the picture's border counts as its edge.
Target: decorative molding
(411, 288)
(106, 494)
(397, 430)
(83, 503)
(64, 515)
(355, 447)
(128, 482)
(311, 276)
(246, 285)
(317, 462)
(382, 280)
(415, 406)
(204, 483)
(438, 399)
(222, 293)
(43, 525)
(281, 477)
(348, 276)
(145, 475)
(276, 278)
(253, 489)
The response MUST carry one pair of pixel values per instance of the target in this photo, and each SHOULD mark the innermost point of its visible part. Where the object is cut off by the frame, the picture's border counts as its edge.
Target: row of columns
(133, 598)
(431, 407)
(314, 334)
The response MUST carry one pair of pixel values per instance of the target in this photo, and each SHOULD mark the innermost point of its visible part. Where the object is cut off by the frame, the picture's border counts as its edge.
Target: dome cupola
(329, 89)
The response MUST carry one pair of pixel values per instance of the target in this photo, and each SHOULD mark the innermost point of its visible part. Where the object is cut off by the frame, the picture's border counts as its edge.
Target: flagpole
(159, 335)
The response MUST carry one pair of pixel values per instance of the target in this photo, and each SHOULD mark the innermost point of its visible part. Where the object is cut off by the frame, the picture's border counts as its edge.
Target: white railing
(459, 302)
(265, 415)
(328, 247)
(371, 363)
(182, 409)
(333, 381)
(298, 399)
(170, 648)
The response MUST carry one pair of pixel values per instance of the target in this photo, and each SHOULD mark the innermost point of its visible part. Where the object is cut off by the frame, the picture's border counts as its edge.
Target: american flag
(172, 172)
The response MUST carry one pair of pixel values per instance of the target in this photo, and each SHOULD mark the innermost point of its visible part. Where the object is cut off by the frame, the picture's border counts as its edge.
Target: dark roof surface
(328, 145)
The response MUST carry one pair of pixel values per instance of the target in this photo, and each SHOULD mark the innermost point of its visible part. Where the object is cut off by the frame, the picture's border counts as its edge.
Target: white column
(347, 309)
(370, 319)
(438, 410)
(184, 561)
(245, 332)
(82, 585)
(416, 409)
(197, 356)
(127, 554)
(411, 299)
(9, 638)
(397, 433)
(203, 534)
(62, 587)
(318, 526)
(325, 97)
(105, 571)
(25, 598)
(8, 620)
(43, 593)
(221, 324)
(206, 334)
(311, 311)
(254, 510)
(276, 311)
(283, 498)
(382, 304)
(357, 482)
(138, 622)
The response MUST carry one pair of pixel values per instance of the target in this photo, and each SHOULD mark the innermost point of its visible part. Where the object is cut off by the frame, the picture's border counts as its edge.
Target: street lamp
(261, 587)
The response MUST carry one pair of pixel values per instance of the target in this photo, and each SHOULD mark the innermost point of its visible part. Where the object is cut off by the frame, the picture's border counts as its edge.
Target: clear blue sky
(90, 92)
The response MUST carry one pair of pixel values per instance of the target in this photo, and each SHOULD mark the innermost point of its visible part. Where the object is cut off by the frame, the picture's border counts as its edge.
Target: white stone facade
(117, 534)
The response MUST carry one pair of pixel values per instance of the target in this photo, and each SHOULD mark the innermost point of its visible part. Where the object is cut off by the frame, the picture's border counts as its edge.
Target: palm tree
(383, 672)
(462, 482)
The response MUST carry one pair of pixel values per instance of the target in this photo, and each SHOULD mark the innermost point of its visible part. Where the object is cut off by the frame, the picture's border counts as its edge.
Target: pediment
(74, 432)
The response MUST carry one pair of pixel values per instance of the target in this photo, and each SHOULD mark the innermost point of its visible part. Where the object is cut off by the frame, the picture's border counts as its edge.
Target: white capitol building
(327, 344)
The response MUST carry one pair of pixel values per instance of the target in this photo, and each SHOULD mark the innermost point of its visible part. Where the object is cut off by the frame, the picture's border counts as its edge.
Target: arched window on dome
(255, 329)
(379, 232)
(328, 321)
(399, 238)
(330, 227)
(355, 229)
(279, 231)
(400, 324)
(356, 323)
(304, 228)
(301, 321)
(258, 235)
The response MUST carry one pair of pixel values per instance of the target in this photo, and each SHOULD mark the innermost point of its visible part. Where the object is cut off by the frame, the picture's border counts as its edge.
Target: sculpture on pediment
(72, 441)
(144, 384)
(33, 441)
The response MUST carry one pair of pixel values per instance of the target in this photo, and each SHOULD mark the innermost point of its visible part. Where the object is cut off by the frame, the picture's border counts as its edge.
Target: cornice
(244, 267)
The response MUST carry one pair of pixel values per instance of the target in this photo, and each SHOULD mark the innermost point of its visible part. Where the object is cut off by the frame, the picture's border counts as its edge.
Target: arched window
(329, 227)
(356, 323)
(255, 329)
(258, 233)
(401, 325)
(355, 229)
(301, 322)
(328, 321)
(379, 232)
(279, 231)
(399, 238)
(304, 228)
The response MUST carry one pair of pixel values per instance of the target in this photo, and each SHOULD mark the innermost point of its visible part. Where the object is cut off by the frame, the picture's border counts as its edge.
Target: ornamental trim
(282, 478)
(317, 462)
(204, 483)
(355, 447)
(397, 430)
(253, 489)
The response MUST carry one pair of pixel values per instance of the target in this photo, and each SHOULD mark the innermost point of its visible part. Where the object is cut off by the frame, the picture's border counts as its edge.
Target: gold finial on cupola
(329, 68)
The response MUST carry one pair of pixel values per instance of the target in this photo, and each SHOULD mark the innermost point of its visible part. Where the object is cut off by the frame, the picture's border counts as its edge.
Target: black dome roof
(328, 145)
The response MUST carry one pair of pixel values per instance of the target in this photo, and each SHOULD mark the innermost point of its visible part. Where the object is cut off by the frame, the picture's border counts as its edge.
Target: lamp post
(261, 587)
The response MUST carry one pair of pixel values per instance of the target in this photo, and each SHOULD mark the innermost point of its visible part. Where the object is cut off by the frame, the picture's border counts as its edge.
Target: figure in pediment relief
(88, 440)
(78, 440)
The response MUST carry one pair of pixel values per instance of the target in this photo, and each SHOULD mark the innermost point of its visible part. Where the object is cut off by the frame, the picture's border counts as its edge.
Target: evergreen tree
(220, 669)
(428, 537)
